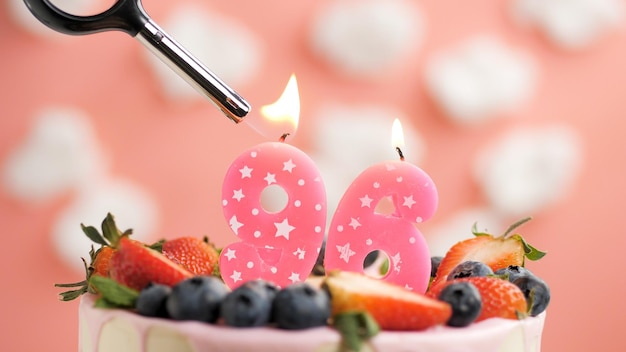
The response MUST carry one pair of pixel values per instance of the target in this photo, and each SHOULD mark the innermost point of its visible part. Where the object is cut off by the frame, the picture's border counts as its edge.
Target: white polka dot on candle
(300, 182)
(318, 229)
(224, 202)
(297, 203)
(250, 265)
(257, 234)
(253, 154)
(340, 228)
(318, 207)
(255, 211)
(273, 270)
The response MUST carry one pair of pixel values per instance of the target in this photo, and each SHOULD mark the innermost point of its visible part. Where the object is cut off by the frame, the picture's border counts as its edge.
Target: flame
(397, 135)
(285, 112)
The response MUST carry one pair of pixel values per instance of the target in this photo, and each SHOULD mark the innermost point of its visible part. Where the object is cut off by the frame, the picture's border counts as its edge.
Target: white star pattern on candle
(288, 165)
(283, 228)
(366, 201)
(246, 172)
(238, 194)
(234, 224)
(354, 223)
(270, 178)
(294, 277)
(396, 262)
(408, 201)
(299, 253)
(230, 254)
(346, 252)
(236, 276)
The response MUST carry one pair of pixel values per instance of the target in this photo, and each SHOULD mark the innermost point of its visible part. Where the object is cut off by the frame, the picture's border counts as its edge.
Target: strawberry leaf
(530, 252)
(94, 235)
(355, 328)
(110, 231)
(515, 225)
(113, 293)
(477, 233)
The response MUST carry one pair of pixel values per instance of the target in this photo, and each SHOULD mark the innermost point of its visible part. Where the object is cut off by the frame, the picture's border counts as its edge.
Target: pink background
(180, 152)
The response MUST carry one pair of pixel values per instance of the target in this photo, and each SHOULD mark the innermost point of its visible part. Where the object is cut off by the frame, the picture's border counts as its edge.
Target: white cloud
(349, 139)
(571, 24)
(529, 169)
(364, 37)
(480, 79)
(131, 206)
(226, 47)
(60, 153)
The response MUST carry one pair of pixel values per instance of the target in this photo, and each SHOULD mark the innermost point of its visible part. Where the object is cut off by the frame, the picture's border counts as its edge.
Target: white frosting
(113, 330)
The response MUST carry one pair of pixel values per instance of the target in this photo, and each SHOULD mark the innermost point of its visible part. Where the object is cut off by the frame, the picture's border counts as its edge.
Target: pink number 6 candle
(357, 229)
(280, 246)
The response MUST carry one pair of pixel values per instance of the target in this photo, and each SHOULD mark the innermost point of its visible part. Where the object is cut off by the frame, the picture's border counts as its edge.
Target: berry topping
(465, 301)
(497, 252)
(536, 291)
(392, 306)
(435, 261)
(500, 298)
(512, 272)
(470, 268)
(197, 298)
(194, 254)
(151, 300)
(136, 265)
(301, 306)
(249, 304)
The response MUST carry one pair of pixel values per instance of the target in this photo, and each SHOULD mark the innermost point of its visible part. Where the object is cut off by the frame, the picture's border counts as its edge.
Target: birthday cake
(169, 296)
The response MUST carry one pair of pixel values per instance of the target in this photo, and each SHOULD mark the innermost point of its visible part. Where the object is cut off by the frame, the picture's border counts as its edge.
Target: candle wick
(400, 153)
(283, 137)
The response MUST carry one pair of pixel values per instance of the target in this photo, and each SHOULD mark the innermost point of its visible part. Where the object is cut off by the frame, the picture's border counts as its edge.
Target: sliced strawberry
(497, 252)
(393, 307)
(500, 298)
(136, 265)
(193, 254)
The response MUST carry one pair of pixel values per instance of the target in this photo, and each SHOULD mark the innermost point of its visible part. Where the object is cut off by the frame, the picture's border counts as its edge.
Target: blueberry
(197, 298)
(512, 272)
(434, 264)
(465, 301)
(301, 306)
(470, 268)
(249, 304)
(536, 291)
(151, 300)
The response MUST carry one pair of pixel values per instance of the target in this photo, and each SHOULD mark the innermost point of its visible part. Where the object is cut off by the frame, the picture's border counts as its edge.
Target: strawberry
(497, 252)
(393, 307)
(192, 253)
(500, 298)
(136, 265)
(100, 259)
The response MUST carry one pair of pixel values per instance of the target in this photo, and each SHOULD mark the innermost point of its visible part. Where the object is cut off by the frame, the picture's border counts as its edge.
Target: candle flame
(397, 135)
(285, 112)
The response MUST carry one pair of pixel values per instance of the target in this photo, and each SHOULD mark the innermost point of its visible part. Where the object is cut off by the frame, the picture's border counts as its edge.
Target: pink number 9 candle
(357, 229)
(279, 246)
